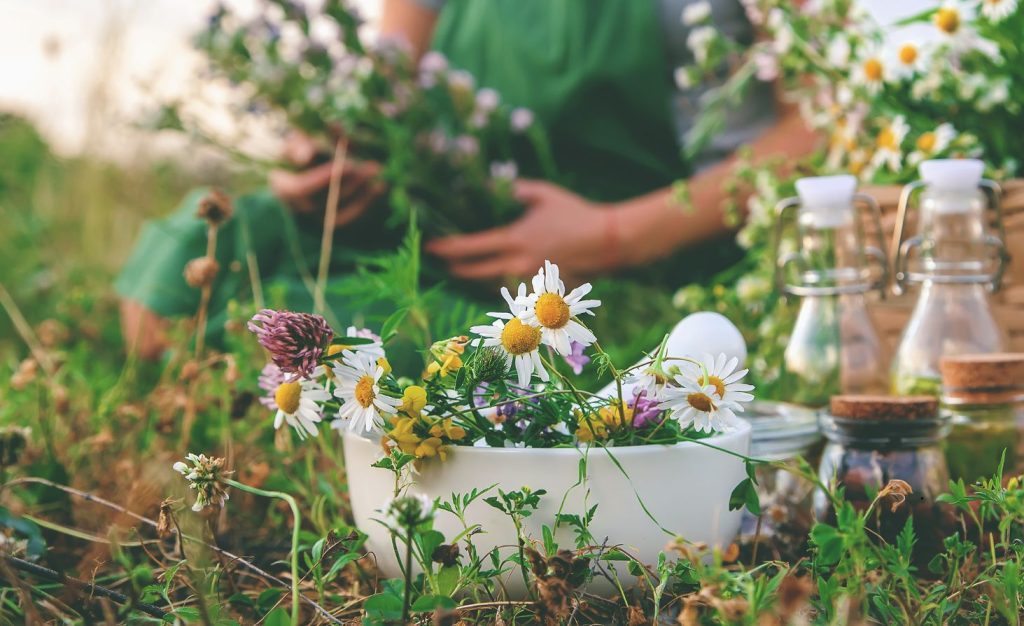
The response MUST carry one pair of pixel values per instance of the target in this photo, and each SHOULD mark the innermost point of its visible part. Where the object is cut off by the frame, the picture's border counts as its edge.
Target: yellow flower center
(552, 311)
(926, 142)
(908, 53)
(887, 139)
(335, 348)
(715, 382)
(701, 402)
(364, 391)
(873, 69)
(947, 19)
(287, 397)
(518, 338)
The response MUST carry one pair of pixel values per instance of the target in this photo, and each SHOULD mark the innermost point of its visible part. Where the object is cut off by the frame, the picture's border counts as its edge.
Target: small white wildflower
(699, 42)
(696, 13)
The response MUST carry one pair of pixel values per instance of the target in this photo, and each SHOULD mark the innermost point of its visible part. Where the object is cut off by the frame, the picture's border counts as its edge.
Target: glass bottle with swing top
(958, 257)
(833, 347)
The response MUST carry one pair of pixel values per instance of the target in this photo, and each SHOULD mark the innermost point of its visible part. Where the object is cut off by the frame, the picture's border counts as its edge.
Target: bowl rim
(742, 429)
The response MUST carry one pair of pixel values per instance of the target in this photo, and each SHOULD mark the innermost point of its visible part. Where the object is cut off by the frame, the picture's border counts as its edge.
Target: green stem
(407, 595)
(295, 536)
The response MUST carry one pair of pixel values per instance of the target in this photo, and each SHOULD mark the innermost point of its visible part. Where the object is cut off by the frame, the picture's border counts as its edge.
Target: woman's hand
(560, 226)
(305, 191)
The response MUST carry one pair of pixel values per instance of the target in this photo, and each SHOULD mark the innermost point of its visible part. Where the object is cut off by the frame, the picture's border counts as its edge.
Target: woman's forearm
(653, 226)
(410, 22)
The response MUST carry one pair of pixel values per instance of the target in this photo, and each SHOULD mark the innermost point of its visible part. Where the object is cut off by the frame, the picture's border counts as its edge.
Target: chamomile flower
(357, 377)
(838, 51)
(554, 312)
(948, 19)
(651, 378)
(959, 35)
(296, 404)
(517, 340)
(869, 71)
(649, 381)
(888, 151)
(722, 376)
(932, 143)
(998, 10)
(907, 59)
(698, 405)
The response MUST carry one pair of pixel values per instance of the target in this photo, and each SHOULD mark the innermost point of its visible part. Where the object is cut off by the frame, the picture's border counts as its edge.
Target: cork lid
(894, 408)
(983, 371)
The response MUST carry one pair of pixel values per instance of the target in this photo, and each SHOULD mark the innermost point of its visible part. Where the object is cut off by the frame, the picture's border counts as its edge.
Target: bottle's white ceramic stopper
(828, 200)
(952, 174)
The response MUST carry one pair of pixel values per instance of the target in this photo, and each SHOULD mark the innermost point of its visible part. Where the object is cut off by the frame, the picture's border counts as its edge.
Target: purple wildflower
(482, 395)
(487, 100)
(521, 119)
(507, 411)
(504, 170)
(270, 379)
(467, 145)
(296, 341)
(433, 63)
(576, 359)
(645, 411)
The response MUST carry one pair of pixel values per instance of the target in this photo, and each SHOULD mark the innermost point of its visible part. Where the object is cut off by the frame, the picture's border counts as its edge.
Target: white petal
(523, 366)
(539, 366)
(578, 293)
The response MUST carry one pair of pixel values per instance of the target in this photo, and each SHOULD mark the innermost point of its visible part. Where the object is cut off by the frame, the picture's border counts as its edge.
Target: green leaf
(384, 605)
(426, 604)
(447, 580)
(277, 617)
(36, 543)
(428, 542)
(187, 613)
(745, 494)
(829, 542)
(390, 327)
(549, 540)
(615, 555)
(268, 598)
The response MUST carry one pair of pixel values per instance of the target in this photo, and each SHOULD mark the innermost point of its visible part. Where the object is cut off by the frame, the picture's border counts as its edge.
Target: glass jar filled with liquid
(983, 394)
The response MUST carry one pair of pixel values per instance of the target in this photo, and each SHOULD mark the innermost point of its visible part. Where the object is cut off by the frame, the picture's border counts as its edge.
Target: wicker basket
(890, 315)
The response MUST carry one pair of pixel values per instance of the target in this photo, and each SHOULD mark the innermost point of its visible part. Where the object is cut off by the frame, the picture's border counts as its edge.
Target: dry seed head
(215, 208)
(164, 522)
(200, 272)
(25, 374)
(51, 333)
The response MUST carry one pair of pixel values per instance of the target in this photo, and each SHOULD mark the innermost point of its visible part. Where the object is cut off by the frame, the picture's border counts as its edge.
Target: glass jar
(833, 347)
(958, 258)
(872, 440)
(780, 432)
(984, 398)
